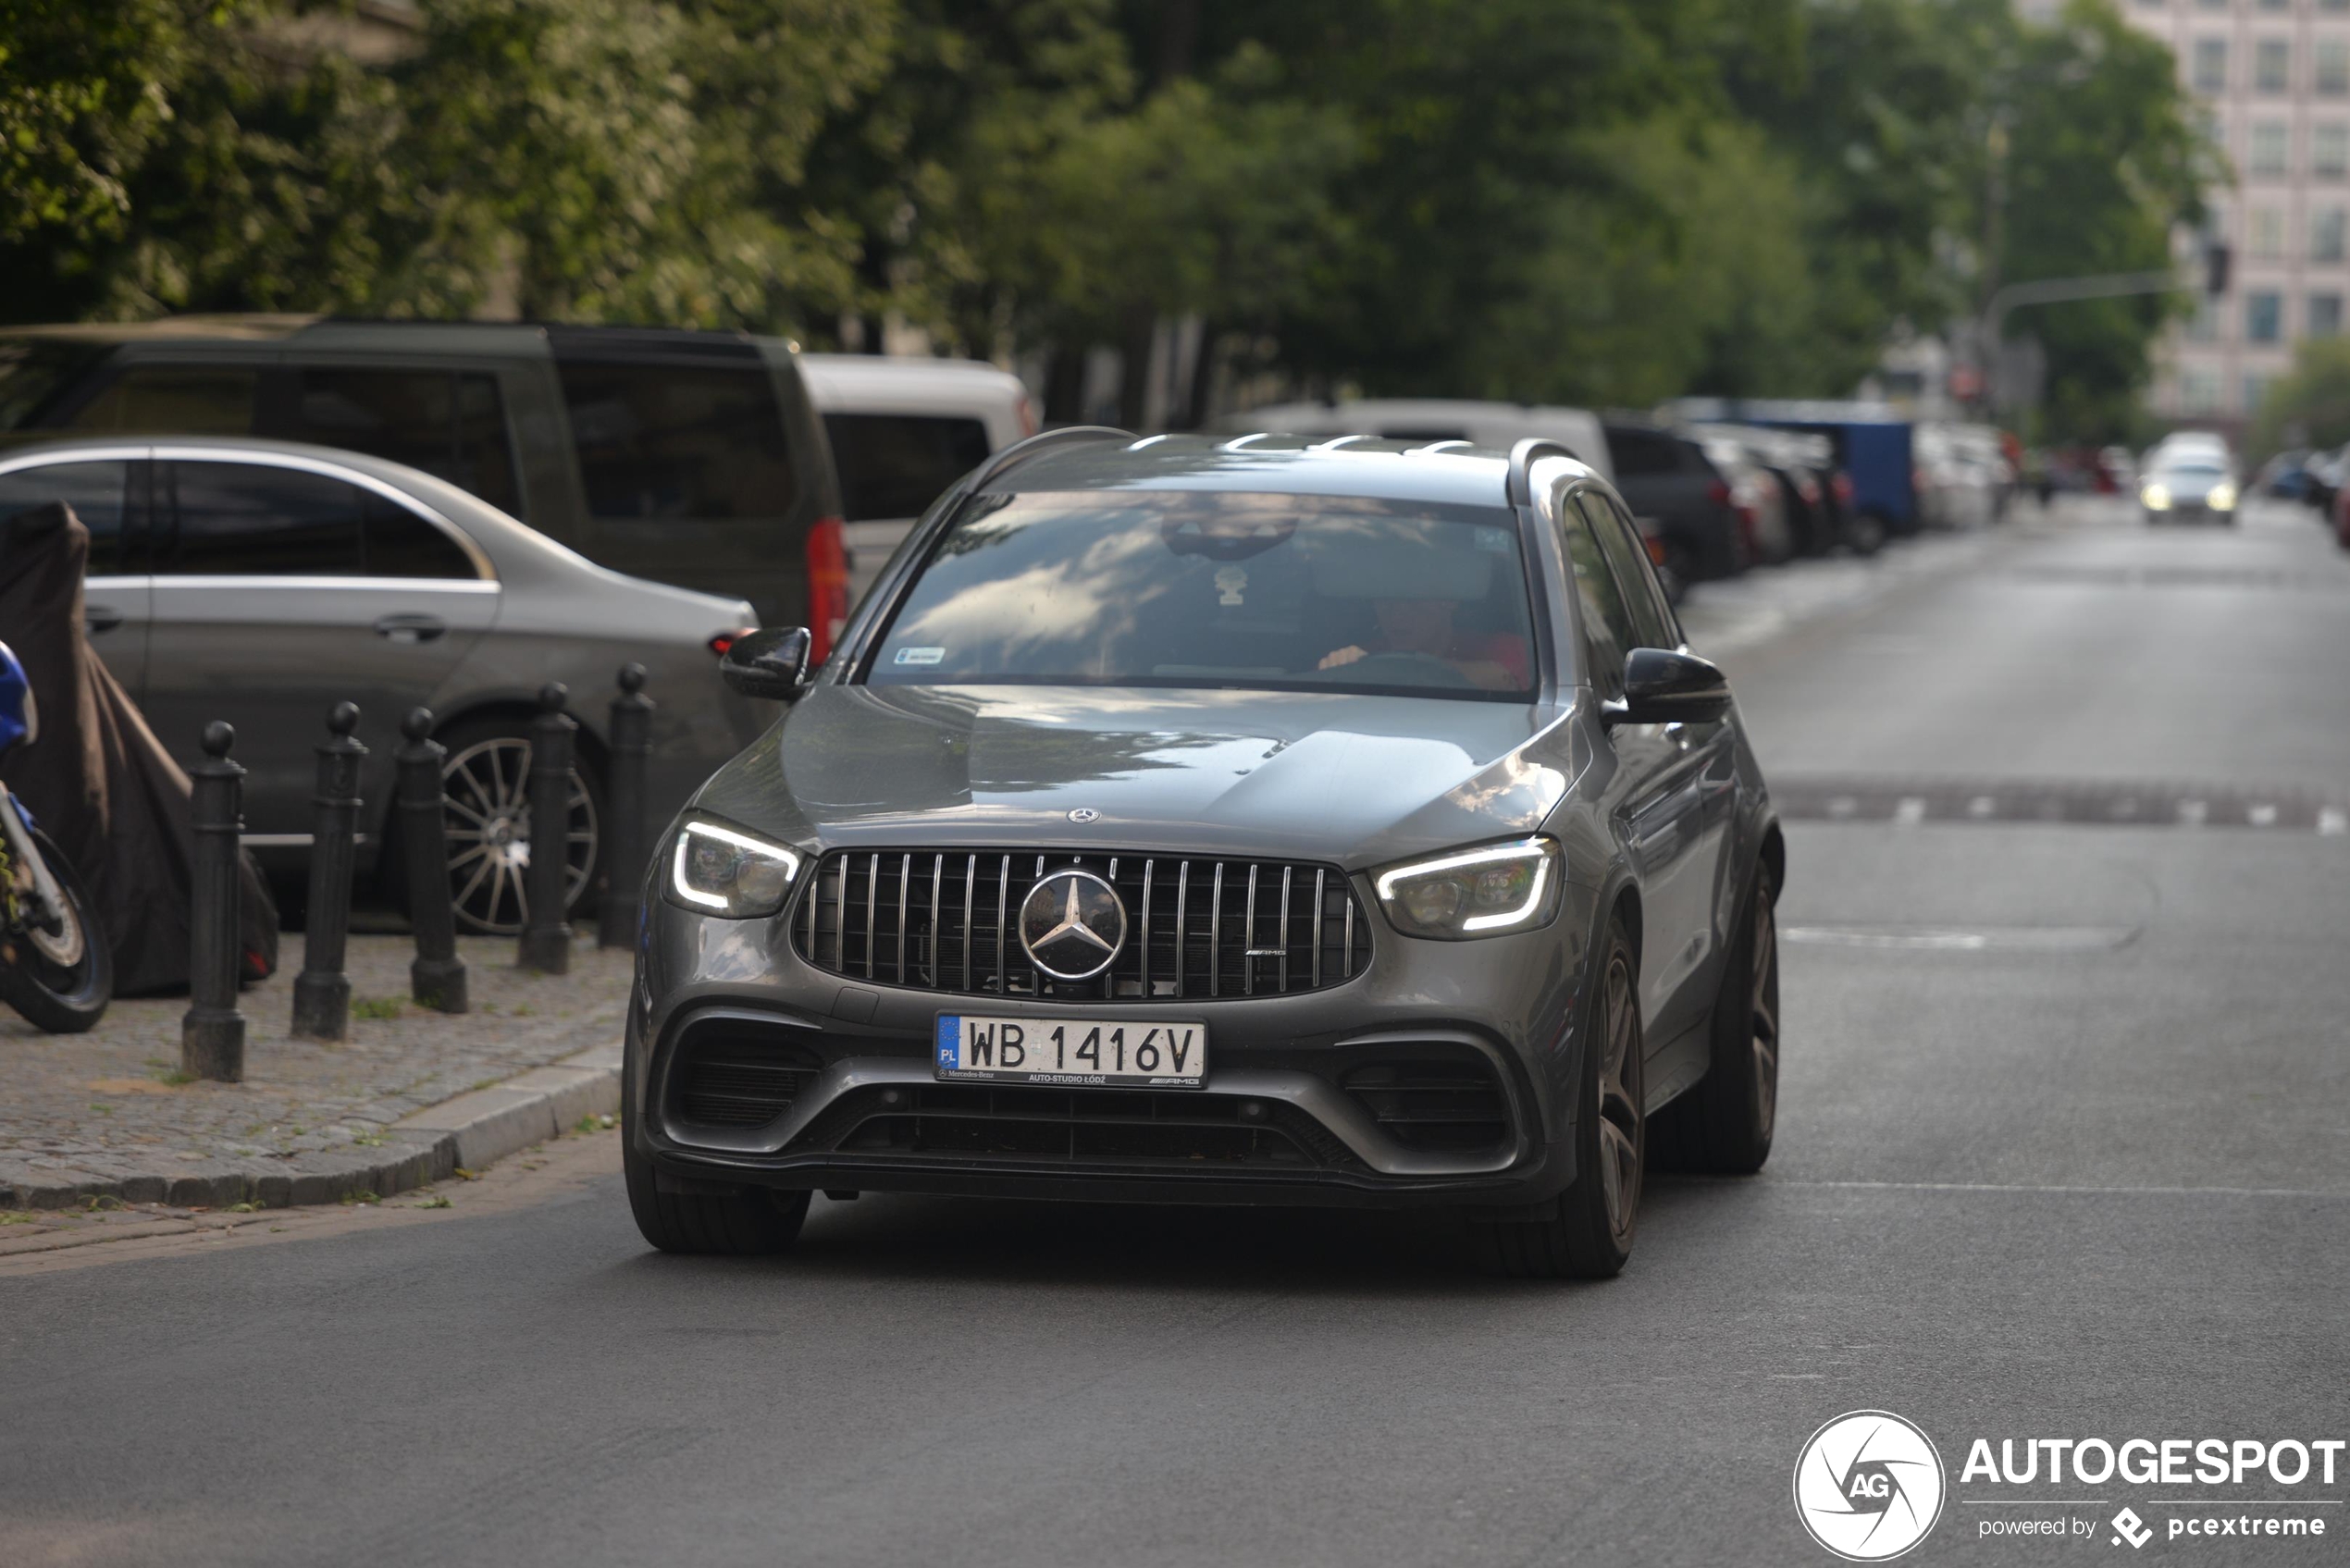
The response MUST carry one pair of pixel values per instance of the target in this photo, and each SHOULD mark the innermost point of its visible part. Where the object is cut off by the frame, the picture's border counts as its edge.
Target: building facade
(2273, 78)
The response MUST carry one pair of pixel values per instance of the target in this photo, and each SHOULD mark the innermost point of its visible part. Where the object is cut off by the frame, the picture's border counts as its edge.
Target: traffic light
(2215, 268)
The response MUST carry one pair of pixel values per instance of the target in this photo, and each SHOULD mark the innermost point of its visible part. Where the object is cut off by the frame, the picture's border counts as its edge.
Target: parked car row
(286, 513)
(2320, 477)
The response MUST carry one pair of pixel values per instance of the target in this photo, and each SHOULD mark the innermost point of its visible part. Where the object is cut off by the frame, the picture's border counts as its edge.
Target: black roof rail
(1020, 452)
(1521, 458)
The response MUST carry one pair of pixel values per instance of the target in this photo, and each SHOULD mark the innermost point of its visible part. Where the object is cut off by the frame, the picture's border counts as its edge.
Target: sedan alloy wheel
(486, 810)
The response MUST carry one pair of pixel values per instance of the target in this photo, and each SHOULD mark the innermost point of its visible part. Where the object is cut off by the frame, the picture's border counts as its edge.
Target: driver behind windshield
(1489, 661)
(1218, 590)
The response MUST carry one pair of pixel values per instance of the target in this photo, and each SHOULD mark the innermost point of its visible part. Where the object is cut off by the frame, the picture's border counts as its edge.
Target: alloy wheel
(486, 809)
(1764, 1009)
(1620, 1108)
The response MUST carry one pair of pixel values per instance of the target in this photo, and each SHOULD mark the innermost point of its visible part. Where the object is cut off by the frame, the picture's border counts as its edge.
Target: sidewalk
(92, 1120)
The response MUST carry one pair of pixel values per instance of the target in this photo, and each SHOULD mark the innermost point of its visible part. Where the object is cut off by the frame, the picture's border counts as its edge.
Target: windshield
(1219, 589)
(2195, 472)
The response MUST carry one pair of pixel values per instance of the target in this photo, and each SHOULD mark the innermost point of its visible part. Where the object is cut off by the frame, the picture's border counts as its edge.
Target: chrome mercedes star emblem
(1072, 923)
(1084, 814)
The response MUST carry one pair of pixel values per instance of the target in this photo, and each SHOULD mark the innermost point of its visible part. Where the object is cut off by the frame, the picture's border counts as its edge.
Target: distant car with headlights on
(2188, 485)
(1273, 820)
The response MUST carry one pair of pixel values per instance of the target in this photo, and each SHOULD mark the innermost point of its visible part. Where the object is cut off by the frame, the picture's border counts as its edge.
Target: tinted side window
(95, 492)
(896, 464)
(1625, 552)
(452, 424)
(246, 519)
(670, 442)
(176, 399)
(1643, 451)
(400, 543)
(1607, 632)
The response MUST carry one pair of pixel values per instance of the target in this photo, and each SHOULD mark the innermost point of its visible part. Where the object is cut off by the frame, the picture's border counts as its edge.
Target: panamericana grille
(971, 1122)
(949, 920)
(1451, 1105)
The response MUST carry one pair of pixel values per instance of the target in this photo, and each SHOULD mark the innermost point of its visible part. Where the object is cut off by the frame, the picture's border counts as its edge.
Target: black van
(690, 458)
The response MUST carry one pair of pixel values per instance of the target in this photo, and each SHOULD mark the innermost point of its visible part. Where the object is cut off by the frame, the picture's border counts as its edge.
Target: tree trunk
(1064, 386)
(1134, 372)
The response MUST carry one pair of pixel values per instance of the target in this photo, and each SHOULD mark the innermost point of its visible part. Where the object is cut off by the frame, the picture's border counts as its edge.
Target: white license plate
(1078, 1052)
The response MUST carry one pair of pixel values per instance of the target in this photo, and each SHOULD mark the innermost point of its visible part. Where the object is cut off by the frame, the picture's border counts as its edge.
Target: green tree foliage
(1602, 201)
(156, 156)
(2103, 162)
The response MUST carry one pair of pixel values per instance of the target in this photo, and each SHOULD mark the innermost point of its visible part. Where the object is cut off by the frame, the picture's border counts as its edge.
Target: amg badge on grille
(1072, 923)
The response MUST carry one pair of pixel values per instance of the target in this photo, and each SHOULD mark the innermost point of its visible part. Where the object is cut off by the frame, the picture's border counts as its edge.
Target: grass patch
(18, 1217)
(101, 1203)
(437, 1201)
(370, 1139)
(175, 1078)
(244, 1208)
(379, 1008)
(362, 1196)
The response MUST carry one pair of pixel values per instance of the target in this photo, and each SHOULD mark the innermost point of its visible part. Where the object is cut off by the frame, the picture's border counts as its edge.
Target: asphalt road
(2064, 1152)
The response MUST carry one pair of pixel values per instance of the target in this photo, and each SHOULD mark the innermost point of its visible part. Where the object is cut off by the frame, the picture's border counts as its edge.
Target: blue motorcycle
(56, 966)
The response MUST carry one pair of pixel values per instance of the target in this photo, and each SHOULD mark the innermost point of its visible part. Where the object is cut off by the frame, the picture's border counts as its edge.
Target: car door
(1703, 775)
(284, 586)
(1656, 802)
(107, 489)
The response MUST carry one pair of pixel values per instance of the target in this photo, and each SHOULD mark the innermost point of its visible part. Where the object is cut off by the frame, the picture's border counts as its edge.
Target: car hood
(1353, 780)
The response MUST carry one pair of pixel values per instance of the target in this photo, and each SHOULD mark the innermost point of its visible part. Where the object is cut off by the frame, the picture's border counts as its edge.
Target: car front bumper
(1283, 1117)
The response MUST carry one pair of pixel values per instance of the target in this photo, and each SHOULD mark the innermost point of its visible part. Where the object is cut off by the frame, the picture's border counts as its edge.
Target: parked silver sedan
(263, 582)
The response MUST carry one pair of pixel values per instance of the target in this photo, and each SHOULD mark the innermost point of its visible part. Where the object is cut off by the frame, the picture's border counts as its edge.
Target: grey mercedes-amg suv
(1265, 820)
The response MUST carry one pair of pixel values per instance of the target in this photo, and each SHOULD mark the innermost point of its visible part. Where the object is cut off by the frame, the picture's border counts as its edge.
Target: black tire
(1586, 1232)
(504, 913)
(1726, 1123)
(60, 982)
(753, 1222)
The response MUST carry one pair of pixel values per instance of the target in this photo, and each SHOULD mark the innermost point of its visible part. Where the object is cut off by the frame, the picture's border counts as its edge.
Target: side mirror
(772, 661)
(1663, 688)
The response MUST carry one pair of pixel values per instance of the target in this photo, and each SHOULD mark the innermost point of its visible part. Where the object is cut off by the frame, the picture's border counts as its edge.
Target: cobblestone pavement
(109, 1111)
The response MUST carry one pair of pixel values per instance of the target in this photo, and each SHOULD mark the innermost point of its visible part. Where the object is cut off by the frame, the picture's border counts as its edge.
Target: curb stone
(471, 1131)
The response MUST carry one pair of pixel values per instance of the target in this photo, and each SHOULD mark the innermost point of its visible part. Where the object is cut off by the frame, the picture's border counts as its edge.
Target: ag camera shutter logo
(1869, 1486)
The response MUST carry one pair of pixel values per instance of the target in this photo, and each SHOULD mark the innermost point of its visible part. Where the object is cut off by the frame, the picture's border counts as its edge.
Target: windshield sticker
(1229, 582)
(921, 654)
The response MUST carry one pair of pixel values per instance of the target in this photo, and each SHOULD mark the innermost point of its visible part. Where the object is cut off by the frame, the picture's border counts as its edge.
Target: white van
(1436, 419)
(902, 430)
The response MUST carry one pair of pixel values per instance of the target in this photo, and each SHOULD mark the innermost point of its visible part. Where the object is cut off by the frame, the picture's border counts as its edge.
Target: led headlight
(2222, 496)
(720, 872)
(2156, 497)
(1471, 893)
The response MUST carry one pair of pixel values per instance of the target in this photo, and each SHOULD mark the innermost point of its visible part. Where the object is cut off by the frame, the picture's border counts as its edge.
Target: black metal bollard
(212, 1033)
(437, 979)
(322, 992)
(632, 742)
(545, 935)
